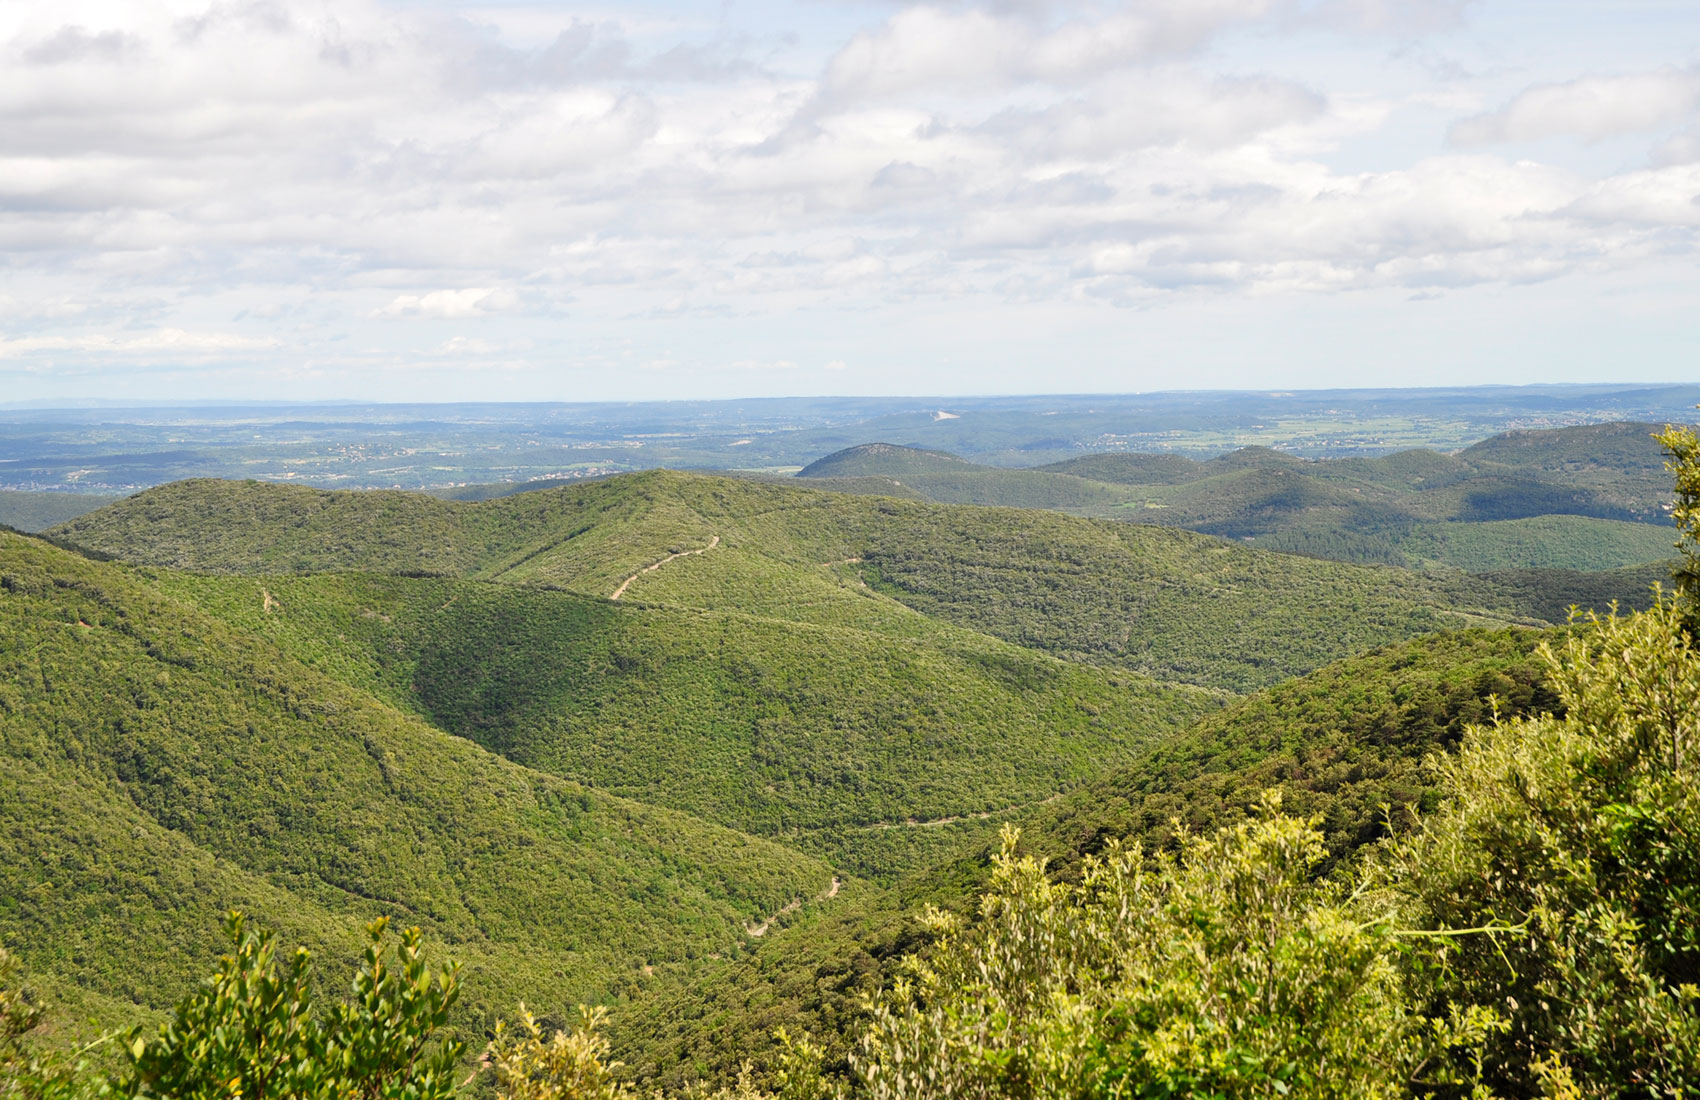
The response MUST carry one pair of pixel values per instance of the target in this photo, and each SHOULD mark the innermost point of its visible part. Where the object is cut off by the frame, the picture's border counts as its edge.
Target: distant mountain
(883, 460)
(451, 448)
(1125, 468)
(1618, 448)
(1580, 498)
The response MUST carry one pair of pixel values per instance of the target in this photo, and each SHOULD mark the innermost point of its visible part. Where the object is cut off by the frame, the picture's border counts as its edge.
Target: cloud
(473, 301)
(1657, 199)
(39, 309)
(1397, 16)
(173, 340)
(1591, 108)
(926, 48)
(1141, 110)
(209, 159)
(1683, 148)
(73, 44)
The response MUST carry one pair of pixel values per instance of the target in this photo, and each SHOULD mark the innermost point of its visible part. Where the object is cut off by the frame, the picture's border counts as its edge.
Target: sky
(421, 200)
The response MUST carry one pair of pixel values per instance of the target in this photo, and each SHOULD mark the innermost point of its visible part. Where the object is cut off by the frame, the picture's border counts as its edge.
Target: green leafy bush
(250, 1033)
(1224, 971)
(1581, 836)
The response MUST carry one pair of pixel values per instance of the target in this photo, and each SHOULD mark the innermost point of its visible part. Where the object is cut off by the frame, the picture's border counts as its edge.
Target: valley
(900, 550)
(702, 747)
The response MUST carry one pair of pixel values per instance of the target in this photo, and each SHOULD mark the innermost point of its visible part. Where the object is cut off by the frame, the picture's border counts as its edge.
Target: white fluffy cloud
(308, 171)
(926, 47)
(475, 301)
(1592, 108)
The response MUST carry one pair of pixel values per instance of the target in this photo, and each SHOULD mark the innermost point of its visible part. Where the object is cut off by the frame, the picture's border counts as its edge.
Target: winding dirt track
(621, 591)
(759, 930)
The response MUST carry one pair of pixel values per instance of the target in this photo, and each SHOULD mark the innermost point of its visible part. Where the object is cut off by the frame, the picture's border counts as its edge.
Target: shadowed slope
(161, 766)
(808, 733)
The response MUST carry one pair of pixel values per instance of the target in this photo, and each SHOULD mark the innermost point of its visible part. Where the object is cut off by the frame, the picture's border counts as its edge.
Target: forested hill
(27, 511)
(1585, 498)
(700, 747)
(159, 766)
(828, 738)
(1167, 603)
(478, 757)
(1348, 743)
(884, 460)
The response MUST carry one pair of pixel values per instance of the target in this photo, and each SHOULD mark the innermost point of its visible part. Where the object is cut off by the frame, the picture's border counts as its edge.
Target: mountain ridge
(1142, 597)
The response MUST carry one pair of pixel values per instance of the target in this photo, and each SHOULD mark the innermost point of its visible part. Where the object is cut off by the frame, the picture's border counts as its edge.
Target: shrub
(250, 1032)
(1224, 971)
(1579, 837)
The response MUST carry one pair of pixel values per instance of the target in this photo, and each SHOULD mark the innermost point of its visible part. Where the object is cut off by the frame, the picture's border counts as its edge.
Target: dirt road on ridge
(621, 591)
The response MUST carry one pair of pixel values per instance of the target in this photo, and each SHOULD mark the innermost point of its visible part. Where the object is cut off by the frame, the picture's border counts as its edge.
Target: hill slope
(883, 460)
(1170, 604)
(28, 511)
(814, 734)
(160, 766)
(1341, 743)
(1600, 491)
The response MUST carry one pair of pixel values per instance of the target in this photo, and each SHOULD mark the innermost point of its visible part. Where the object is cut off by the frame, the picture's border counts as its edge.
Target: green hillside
(1167, 603)
(817, 735)
(883, 460)
(1615, 455)
(640, 739)
(1128, 468)
(1347, 742)
(161, 766)
(1572, 498)
(1341, 743)
(1551, 542)
(705, 748)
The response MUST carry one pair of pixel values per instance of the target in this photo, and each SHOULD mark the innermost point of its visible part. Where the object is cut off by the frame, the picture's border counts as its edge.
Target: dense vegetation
(1460, 864)
(23, 511)
(1347, 745)
(819, 735)
(1167, 602)
(1533, 936)
(1173, 605)
(1573, 498)
(161, 766)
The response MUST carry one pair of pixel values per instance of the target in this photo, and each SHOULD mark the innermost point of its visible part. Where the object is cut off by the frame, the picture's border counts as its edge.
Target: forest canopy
(1533, 929)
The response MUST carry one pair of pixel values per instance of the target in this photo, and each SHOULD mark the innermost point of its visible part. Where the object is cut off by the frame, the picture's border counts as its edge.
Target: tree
(250, 1032)
(1576, 838)
(1224, 971)
(1683, 447)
